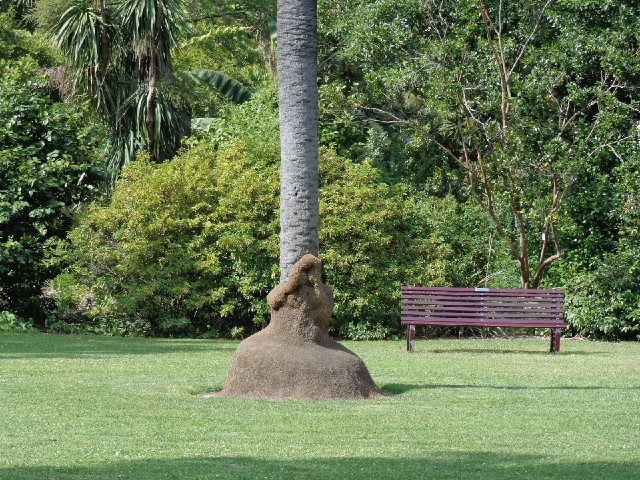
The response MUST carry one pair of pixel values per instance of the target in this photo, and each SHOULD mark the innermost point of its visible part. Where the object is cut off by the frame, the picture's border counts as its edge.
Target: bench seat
(482, 307)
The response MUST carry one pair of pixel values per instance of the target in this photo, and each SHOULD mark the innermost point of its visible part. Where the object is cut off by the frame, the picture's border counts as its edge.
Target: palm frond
(153, 23)
(87, 40)
(227, 86)
(171, 122)
(77, 35)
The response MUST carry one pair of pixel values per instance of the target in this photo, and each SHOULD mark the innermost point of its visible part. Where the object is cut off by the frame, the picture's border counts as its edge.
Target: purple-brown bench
(482, 307)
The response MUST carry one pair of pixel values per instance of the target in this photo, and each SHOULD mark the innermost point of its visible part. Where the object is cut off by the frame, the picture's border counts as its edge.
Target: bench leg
(555, 340)
(411, 338)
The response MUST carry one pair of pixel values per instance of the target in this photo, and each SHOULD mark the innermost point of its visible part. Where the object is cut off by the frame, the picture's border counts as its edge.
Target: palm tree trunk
(294, 357)
(298, 103)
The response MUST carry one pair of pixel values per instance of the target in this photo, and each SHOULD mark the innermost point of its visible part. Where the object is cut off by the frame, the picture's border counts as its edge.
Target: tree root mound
(294, 357)
(264, 366)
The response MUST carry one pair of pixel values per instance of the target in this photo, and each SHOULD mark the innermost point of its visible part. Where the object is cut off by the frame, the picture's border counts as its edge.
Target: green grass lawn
(122, 408)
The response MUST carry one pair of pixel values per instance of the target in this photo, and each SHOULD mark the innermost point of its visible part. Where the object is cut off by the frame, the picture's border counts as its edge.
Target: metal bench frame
(482, 307)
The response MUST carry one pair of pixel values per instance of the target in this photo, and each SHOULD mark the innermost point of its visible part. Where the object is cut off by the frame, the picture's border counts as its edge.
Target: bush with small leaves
(191, 246)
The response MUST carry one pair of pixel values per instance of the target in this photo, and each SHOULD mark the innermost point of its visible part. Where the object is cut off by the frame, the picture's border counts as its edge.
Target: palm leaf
(159, 23)
(77, 36)
(227, 86)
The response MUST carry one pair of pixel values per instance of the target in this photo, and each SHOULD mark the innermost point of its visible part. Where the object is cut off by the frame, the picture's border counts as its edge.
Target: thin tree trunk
(150, 119)
(105, 48)
(298, 103)
(153, 72)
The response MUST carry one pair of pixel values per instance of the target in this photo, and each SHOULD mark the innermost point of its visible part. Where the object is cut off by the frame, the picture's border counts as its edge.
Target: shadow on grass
(75, 346)
(398, 388)
(437, 465)
(506, 351)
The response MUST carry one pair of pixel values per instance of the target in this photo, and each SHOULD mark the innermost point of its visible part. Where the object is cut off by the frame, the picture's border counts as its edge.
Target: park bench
(482, 307)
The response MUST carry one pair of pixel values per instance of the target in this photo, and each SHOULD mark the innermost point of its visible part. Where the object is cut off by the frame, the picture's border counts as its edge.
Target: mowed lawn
(82, 407)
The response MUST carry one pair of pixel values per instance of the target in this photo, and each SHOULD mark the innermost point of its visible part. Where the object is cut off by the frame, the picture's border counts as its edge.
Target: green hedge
(48, 168)
(190, 247)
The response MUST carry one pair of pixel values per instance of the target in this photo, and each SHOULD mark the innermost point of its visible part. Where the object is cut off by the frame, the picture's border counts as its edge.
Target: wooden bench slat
(455, 320)
(481, 301)
(458, 306)
(470, 310)
(492, 291)
(486, 316)
(550, 307)
(550, 311)
(487, 320)
(478, 294)
(485, 298)
(486, 307)
(489, 291)
(472, 323)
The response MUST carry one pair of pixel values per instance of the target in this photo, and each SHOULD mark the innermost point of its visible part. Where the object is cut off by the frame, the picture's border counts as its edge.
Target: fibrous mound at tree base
(294, 357)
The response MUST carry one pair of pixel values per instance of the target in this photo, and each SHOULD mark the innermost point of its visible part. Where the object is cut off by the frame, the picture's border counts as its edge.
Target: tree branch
(534, 30)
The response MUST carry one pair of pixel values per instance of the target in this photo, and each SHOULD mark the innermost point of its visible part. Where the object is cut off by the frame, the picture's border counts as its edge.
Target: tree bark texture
(298, 106)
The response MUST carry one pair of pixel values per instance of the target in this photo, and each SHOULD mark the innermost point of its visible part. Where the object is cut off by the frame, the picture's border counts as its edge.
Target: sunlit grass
(120, 408)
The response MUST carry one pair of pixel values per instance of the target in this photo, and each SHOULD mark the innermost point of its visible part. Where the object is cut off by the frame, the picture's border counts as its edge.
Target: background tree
(256, 17)
(497, 92)
(120, 56)
(48, 169)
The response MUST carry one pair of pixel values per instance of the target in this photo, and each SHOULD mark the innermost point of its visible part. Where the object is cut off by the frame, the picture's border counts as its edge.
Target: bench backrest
(478, 306)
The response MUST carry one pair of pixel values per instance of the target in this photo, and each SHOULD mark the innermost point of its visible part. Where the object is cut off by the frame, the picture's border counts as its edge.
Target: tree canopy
(526, 111)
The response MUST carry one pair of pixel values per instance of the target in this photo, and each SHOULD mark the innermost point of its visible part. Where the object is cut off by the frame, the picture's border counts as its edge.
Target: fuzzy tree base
(294, 357)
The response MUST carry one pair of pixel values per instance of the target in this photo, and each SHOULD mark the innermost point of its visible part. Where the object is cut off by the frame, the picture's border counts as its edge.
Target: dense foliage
(47, 169)
(528, 108)
(429, 112)
(191, 246)
(602, 272)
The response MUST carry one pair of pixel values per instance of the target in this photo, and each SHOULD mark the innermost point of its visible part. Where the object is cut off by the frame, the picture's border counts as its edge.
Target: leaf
(202, 124)
(227, 86)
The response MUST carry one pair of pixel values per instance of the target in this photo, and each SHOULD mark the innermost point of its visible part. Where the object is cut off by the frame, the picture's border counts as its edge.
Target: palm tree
(119, 54)
(152, 29)
(294, 357)
(298, 103)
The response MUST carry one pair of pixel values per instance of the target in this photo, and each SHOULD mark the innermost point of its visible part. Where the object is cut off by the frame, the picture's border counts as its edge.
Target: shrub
(190, 247)
(601, 273)
(183, 248)
(605, 303)
(11, 323)
(46, 171)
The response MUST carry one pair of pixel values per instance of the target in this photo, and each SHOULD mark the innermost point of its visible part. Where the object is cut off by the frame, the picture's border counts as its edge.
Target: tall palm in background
(119, 54)
(298, 104)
